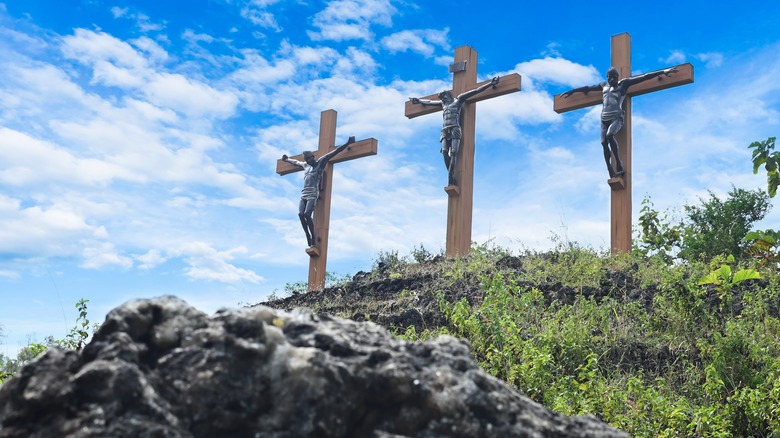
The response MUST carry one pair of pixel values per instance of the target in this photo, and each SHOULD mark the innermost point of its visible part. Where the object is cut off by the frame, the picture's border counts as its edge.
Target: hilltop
(636, 341)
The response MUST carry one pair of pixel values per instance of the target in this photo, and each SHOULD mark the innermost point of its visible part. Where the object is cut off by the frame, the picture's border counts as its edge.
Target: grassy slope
(634, 341)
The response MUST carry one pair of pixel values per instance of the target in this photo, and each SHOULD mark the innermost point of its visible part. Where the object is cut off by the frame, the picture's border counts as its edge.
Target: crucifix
(612, 95)
(318, 251)
(461, 162)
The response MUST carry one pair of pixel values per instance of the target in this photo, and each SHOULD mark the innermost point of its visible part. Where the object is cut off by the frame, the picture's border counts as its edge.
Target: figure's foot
(620, 174)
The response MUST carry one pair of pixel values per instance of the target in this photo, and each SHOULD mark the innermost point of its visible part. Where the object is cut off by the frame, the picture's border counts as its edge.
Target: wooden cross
(621, 187)
(461, 197)
(318, 254)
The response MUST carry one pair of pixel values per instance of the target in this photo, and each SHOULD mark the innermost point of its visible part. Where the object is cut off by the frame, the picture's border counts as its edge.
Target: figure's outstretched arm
(653, 74)
(586, 89)
(415, 101)
(493, 83)
(324, 159)
(291, 161)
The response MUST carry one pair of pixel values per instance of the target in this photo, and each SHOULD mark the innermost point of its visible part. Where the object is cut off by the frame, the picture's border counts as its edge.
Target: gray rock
(160, 368)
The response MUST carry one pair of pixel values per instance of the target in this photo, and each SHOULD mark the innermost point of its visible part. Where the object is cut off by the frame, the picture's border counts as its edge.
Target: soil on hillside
(398, 302)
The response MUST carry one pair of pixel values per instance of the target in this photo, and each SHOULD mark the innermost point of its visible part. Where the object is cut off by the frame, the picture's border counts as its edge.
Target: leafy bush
(763, 246)
(712, 228)
(655, 349)
(764, 153)
(718, 227)
(75, 340)
(658, 237)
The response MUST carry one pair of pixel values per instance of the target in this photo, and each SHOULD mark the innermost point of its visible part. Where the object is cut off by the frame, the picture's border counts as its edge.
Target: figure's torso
(451, 113)
(612, 99)
(312, 175)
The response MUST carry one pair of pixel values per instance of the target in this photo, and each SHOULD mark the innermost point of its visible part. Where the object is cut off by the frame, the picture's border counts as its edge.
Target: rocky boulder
(160, 368)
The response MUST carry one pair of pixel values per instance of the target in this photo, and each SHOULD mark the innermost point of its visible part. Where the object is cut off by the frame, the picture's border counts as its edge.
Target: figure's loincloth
(451, 132)
(310, 193)
(610, 116)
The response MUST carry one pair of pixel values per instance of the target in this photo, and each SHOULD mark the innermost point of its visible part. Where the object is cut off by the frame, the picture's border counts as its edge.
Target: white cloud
(444, 60)
(11, 275)
(256, 11)
(142, 21)
(590, 121)
(152, 49)
(344, 20)
(194, 37)
(422, 41)
(117, 63)
(261, 18)
(206, 263)
(151, 259)
(675, 57)
(99, 255)
(119, 12)
(25, 158)
(37, 231)
(88, 46)
(189, 97)
(556, 71)
(552, 50)
(711, 60)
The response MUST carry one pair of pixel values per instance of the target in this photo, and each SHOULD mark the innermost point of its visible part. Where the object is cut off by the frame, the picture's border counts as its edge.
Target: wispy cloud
(344, 20)
(207, 263)
(117, 63)
(710, 59)
(142, 21)
(426, 42)
(98, 255)
(256, 11)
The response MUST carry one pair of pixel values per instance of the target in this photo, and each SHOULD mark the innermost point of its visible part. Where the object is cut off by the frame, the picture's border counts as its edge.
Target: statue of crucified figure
(614, 93)
(312, 177)
(450, 131)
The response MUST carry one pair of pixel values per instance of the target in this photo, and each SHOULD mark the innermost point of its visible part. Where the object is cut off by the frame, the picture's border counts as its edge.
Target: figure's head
(446, 96)
(308, 156)
(612, 76)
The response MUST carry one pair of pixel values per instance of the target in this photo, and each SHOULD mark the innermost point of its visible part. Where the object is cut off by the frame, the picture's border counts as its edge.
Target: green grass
(634, 341)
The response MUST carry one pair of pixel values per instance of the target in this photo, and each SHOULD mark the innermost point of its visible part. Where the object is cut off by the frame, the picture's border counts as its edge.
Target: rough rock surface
(160, 368)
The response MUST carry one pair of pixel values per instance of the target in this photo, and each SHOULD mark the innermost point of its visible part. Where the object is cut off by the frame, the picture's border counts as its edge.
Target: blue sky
(138, 140)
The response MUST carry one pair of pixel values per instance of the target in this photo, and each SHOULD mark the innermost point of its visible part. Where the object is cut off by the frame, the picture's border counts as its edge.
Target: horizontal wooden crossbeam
(506, 84)
(683, 75)
(359, 149)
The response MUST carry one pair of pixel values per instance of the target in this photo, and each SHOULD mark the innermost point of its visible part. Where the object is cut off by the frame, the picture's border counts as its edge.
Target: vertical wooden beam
(319, 260)
(621, 196)
(461, 198)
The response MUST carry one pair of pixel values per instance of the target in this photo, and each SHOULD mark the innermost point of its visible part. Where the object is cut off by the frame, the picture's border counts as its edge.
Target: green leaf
(746, 274)
(725, 271)
(757, 162)
(711, 278)
(773, 180)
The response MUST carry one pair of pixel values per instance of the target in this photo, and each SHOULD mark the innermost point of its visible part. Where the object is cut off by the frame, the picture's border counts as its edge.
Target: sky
(138, 140)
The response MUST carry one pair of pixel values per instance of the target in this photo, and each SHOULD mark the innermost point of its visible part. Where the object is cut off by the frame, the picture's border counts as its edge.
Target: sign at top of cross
(464, 84)
(616, 124)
